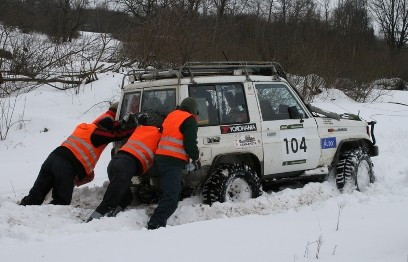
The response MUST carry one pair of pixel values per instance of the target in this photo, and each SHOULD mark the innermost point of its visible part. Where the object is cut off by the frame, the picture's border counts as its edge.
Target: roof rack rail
(192, 69)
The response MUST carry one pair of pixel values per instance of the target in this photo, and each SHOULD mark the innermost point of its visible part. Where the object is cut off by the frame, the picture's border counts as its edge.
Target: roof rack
(192, 69)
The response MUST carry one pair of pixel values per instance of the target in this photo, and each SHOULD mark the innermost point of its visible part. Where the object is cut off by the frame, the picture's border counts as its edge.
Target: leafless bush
(390, 84)
(7, 110)
(341, 206)
(309, 86)
(318, 243)
(356, 91)
(37, 60)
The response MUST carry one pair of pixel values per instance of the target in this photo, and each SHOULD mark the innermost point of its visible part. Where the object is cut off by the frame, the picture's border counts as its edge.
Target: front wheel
(231, 183)
(354, 171)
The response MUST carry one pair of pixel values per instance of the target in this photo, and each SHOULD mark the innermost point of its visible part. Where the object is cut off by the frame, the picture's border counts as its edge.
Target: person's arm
(102, 136)
(189, 129)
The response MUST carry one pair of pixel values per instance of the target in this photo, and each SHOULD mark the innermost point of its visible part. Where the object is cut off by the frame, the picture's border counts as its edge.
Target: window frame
(129, 94)
(217, 98)
(292, 94)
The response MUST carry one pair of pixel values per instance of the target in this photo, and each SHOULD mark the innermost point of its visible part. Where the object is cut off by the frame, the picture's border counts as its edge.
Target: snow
(278, 226)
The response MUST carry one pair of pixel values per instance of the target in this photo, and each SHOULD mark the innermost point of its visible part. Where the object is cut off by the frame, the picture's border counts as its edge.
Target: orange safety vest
(142, 144)
(108, 113)
(79, 142)
(172, 140)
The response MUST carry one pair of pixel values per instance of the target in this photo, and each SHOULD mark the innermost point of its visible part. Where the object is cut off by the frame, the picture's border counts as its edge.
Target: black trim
(355, 142)
(372, 124)
(259, 167)
(375, 151)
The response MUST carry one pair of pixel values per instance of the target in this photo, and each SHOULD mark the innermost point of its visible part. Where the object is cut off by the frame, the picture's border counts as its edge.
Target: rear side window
(220, 104)
(130, 103)
(159, 101)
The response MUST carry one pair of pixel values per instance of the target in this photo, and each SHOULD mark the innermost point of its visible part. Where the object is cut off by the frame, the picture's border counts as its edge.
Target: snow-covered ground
(284, 226)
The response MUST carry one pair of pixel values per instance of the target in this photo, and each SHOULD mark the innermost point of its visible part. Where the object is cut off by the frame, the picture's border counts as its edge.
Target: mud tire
(231, 183)
(354, 171)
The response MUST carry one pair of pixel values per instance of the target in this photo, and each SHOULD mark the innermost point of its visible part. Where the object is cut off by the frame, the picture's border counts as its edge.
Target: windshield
(161, 102)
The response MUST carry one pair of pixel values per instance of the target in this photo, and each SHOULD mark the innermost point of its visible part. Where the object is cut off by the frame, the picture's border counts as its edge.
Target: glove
(128, 121)
(193, 166)
(126, 117)
(142, 119)
(124, 120)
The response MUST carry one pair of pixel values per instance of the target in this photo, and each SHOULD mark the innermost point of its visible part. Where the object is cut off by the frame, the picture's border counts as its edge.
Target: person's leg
(122, 170)
(110, 168)
(42, 185)
(170, 185)
(127, 199)
(64, 174)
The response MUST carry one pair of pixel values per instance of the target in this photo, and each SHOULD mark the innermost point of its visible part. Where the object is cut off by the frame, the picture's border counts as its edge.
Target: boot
(94, 215)
(114, 212)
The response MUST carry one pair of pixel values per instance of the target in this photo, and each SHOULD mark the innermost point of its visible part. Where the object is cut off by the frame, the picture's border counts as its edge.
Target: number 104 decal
(294, 145)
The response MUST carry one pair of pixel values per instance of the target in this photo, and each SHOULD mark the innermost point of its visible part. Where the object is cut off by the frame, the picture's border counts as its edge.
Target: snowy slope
(282, 226)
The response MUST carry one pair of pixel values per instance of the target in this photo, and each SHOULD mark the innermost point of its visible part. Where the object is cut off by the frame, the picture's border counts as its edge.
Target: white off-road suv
(255, 130)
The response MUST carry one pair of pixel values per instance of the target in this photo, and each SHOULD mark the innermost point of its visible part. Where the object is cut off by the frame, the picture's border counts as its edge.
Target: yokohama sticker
(238, 128)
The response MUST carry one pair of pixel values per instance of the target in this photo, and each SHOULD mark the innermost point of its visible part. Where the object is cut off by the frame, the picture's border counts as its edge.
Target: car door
(289, 133)
(226, 126)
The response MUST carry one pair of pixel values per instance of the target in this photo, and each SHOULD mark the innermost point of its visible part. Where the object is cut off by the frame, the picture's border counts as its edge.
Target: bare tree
(143, 9)
(69, 16)
(392, 16)
(221, 6)
(36, 61)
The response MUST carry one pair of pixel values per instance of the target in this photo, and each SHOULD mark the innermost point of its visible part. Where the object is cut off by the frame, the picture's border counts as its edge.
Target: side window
(159, 101)
(277, 103)
(220, 104)
(206, 97)
(130, 103)
(233, 108)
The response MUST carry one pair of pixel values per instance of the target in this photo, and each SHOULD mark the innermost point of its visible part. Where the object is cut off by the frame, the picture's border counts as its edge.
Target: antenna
(225, 56)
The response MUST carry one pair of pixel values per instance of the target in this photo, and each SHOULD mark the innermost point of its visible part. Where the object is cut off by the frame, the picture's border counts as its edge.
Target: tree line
(346, 42)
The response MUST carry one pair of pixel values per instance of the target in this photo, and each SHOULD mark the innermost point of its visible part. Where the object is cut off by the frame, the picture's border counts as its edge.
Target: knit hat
(190, 104)
(114, 106)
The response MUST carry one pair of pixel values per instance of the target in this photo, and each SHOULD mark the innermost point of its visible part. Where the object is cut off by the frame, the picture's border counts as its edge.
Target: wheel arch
(348, 144)
(246, 158)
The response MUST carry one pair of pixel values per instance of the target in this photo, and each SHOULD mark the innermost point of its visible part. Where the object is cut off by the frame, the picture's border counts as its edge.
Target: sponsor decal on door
(238, 128)
(247, 141)
(328, 142)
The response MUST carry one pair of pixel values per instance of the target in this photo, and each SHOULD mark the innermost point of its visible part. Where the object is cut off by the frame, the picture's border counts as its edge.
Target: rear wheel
(354, 171)
(231, 183)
